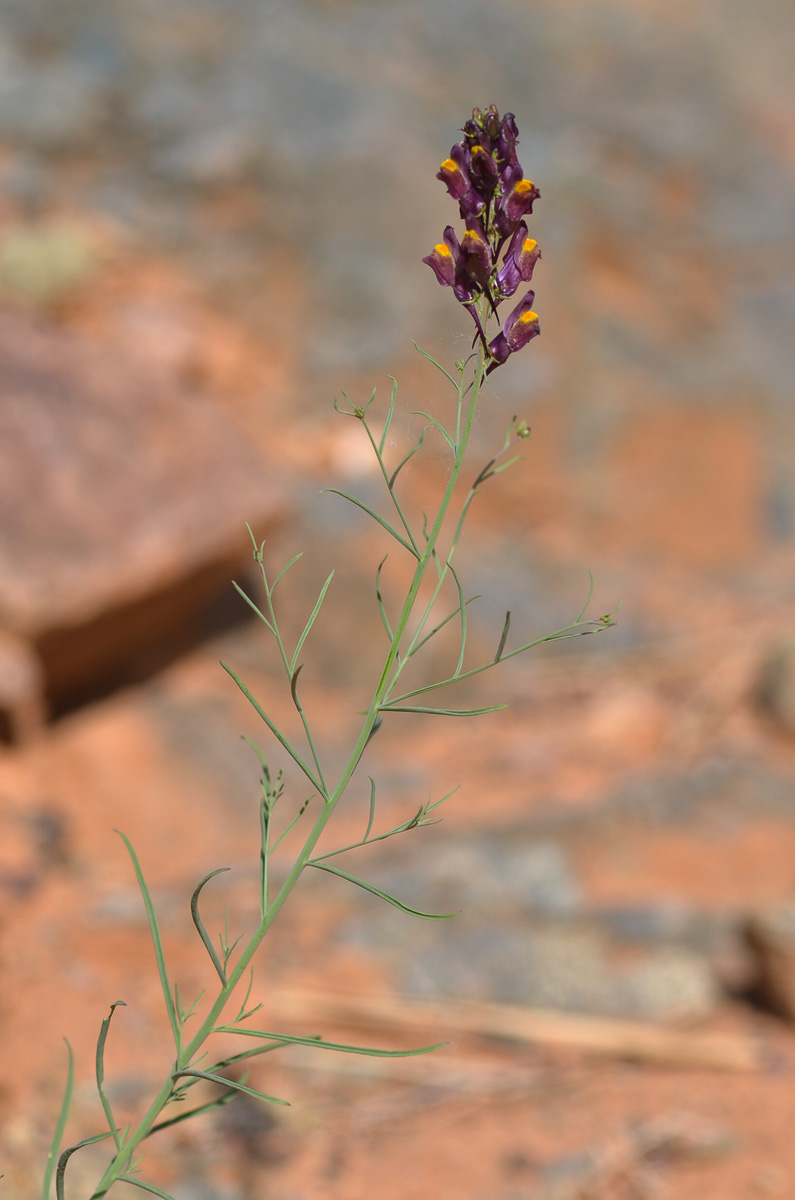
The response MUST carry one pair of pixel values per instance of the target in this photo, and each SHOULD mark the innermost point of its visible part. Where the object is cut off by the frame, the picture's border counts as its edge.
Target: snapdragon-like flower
(495, 254)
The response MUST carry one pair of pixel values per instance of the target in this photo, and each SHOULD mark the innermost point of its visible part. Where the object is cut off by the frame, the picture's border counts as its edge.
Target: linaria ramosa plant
(487, 263)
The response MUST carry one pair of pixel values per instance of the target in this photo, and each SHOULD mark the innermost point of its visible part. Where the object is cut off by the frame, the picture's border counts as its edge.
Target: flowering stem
(121, 1162)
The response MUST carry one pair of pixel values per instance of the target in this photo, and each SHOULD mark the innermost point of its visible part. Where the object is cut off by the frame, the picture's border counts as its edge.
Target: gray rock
(492, 873)
(50, 107)
(561, 968)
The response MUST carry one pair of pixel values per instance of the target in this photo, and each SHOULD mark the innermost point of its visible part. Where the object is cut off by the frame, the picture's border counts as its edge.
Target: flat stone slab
(123, 505)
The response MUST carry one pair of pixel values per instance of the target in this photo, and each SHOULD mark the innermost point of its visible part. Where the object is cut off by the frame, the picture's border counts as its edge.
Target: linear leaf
(380, 599)
(67, 1154)
(195, 1112)
(419, 412)
(407, 457)
(584, 608)
(382, 521)
(436, 628)
(100, 1071)
(253, 606)
(413, 823)
(277, 733)
(60, 1126)
(462, 608)
(503, 637)
(372, 810)
(231, 1083)
(578, 628)
(285, 569)
(255, 1053)
(389, 415)
(375, 891)
(292, 823)
(339, 1047)
(310, 623)
(200, 926)
(144, 1186)
(438, 366)
(444, 712)
(154, 931)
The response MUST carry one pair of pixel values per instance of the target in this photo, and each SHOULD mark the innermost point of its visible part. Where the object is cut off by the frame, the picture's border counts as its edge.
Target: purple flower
(519, 328)
(453, 265)
(520, 258)
(456, 172)
(442, 263)
(519, 200)
(495, 254)
(476, 256)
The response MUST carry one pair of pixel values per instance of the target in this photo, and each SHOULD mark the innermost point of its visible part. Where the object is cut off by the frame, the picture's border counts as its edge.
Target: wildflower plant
(485, 264)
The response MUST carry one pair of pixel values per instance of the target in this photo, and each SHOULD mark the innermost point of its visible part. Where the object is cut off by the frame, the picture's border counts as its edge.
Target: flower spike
(495, 254)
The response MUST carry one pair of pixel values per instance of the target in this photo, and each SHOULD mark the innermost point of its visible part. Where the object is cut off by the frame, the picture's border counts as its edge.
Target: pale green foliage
(434, 601)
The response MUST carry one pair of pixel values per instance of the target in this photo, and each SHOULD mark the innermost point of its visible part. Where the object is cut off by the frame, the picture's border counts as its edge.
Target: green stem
(119, 1165)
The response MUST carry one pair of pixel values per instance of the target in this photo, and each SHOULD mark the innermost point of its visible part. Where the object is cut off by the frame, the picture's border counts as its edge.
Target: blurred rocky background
(212, 215)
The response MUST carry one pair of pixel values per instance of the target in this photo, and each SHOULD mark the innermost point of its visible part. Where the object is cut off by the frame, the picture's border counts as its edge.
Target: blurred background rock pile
(212, 215)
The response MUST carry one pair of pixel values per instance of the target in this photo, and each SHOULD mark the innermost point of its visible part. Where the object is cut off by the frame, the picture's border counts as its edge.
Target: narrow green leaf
(353, 409)
(438, 366)
(292, 824)
(195, 1112)
(389, 415)
(154, 931)
(258, 547)
(503, 637)
(294, 686)
(100, 1071)
(484, 474)
(264, 854)
(380, 600)
(241, 1012)
(263, 762)
(508, 463)
(377, 450)
(462, 608)
(63, 1116)
(444, 712)
(370, 887)
(372, 810)
(284, 571)
(419, 412)
(407, 458)
(200, 927)
(376, 723)
(277, 733)
(67, 1154)
(588, 599)
(145, 1187)
(413, 823)
(437, 803)
(310, 623)
(338, 1047)
(231, 1083)
(253, 606)
(462, 518)
(450, 616)
(223, 938)
(382, 521)
(232, 1059)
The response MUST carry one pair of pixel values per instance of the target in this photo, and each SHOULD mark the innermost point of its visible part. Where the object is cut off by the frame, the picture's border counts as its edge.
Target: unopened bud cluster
(495, 253)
